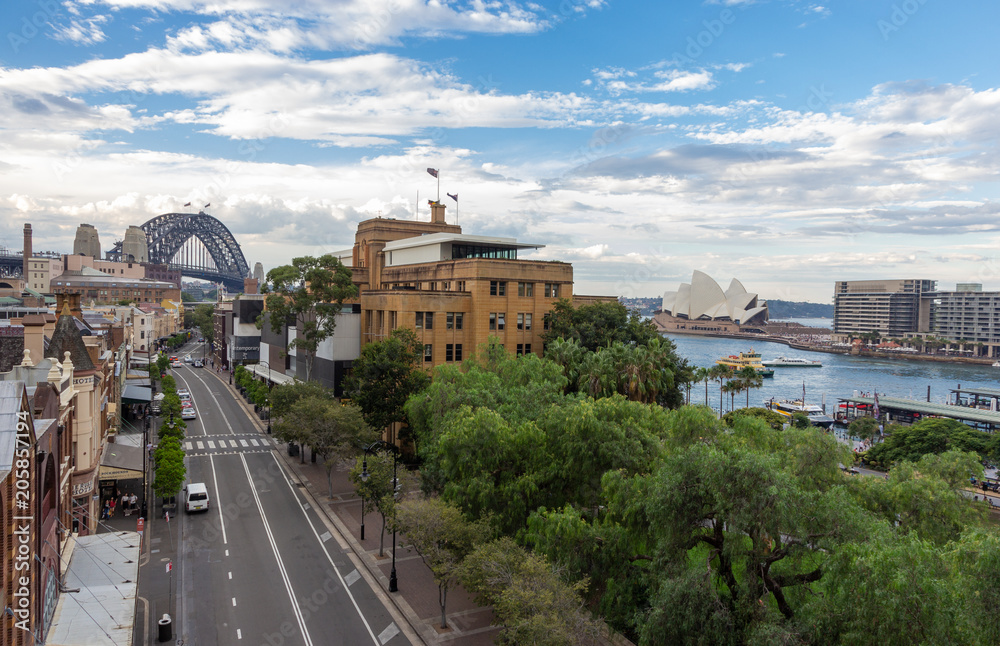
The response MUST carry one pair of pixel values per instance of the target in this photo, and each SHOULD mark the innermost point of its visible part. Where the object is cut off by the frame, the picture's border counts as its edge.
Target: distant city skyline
(787, 142)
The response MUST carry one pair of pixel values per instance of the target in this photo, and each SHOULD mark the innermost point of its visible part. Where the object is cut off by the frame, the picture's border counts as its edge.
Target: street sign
(140, 524)
(170, 566)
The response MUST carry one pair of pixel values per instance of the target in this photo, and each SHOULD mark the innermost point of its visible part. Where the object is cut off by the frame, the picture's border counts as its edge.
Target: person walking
(106, 511)
(124, 503)
(111, 507)
(131, 502)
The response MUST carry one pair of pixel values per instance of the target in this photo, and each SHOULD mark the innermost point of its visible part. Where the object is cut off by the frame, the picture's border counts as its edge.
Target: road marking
(230, 576)
(305, 506)
(254, 442)
(211, 444)
(200, 445)
(281, 564)
(218, 504)
(352, 578)
(234, 603)
(218, 406)
(322, 545)
(188, 446)
(239, 634)
(325, 536)
(227, 552)
(244, 443)
(387, 634)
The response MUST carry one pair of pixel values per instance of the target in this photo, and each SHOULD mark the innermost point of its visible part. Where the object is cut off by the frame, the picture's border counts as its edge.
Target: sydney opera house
(702, 306)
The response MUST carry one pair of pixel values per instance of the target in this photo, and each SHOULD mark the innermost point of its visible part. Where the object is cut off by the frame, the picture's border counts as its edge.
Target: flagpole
(439, 186)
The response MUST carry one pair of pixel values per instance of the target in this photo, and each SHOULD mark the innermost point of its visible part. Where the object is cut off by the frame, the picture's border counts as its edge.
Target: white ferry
(792, 362)
(789, 407)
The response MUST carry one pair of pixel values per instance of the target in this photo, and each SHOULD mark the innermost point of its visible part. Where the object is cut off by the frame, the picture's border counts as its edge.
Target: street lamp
(381, 445)
(268, 366)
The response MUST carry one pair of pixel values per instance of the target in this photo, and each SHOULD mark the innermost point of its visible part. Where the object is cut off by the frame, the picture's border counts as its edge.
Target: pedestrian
(131, 502)
(125, 508)
(111, 507)
(106, 512)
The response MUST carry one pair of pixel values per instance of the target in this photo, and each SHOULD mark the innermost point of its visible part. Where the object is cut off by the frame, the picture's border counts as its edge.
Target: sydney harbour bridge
(196, 244)
(218, 258)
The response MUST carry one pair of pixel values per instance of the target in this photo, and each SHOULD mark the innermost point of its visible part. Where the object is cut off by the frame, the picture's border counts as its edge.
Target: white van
(195, 497)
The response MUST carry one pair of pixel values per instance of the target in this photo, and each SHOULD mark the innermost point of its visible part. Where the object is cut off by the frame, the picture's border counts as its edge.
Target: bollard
(166, 629)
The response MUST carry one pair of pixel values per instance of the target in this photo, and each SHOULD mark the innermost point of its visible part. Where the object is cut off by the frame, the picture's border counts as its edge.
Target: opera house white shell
(703, 299)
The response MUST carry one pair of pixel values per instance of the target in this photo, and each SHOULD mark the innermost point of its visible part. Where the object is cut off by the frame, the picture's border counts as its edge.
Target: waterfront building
(894, 308)
(702, 306)
(968, 318)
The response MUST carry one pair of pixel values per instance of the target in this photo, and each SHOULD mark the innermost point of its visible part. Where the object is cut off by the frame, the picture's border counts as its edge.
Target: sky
(786, 143)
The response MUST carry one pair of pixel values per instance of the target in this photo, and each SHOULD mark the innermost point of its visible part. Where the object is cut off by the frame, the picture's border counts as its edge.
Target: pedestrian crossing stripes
(212, 445)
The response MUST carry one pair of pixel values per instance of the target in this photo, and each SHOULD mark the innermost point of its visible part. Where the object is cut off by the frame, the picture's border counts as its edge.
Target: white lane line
(239, 634)
(227, 552)
(218, 504)
(218, 406)
(230, 576)
(277, 556)
(211, 444)
(323, 547)
(387, 634)
(234, 602)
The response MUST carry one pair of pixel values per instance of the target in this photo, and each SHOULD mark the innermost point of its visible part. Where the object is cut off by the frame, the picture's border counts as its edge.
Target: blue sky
(789, 144)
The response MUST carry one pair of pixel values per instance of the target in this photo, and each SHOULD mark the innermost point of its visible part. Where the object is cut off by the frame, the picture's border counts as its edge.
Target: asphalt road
(260, 566)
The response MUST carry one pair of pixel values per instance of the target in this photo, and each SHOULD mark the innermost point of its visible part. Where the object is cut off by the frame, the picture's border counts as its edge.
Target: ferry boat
(789, 407)
(746, 360)
(792, 362)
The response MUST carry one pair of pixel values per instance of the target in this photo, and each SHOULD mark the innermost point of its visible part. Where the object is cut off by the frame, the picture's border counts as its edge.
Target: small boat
(789, 407)
(792, 362)
(746, 360)
(996, 364)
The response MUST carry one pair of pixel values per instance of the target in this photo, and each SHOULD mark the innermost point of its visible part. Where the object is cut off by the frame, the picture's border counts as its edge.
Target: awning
(106, 568)
(136, 394)
(121, 462)
(272, 375)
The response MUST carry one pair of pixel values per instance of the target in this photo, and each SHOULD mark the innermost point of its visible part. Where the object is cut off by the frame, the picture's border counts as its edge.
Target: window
(545, 322)
(458, 352)
(449, 352)
(453, 321)
(428, 352)
(520, 321)
(493, 320)
(527, 321)
(501, 320)
(424, 321)
(551, 290)
(527, 348)
(526, 289)
(520, 349)
(498, 288)
(142, 334)
(460, 286)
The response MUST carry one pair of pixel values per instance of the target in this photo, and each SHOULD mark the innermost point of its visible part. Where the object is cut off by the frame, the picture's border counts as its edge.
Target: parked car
(188, 413)
(198, 363)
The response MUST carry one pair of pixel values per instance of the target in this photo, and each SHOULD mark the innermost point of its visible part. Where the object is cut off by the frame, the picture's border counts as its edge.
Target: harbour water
(841, 375)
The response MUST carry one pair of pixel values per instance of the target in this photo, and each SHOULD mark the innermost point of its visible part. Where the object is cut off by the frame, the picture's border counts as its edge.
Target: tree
(284, 396)
(385, 375)
(336, 434)
(202, 318)
(863, 427)
(442, 537)
(310, 291)
(750, 379)
(170, 471)
(774, 420)
(598, 325)
(932, 435)
(531, 602)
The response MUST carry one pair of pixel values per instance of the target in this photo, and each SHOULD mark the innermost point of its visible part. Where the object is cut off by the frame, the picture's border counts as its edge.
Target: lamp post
(381, 445)
(268, 366)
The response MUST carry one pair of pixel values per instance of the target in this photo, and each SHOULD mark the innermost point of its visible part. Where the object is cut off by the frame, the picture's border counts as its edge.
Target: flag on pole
(454, 197)
(207, 205)
(433, 172)
(188, 204)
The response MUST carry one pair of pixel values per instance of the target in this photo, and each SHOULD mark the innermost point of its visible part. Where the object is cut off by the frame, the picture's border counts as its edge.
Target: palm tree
(703, 374)
(750, 379)
(721, 373)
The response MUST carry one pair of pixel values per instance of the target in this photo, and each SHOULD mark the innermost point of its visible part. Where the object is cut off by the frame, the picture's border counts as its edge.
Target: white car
(188, 413)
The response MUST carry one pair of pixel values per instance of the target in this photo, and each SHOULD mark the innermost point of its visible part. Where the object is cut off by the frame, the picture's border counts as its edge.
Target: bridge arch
(165, 234)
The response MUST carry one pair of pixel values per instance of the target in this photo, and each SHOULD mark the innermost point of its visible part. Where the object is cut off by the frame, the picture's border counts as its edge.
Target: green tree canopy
(933, 435)
(598, 325)
(310, 291)
(385, 375)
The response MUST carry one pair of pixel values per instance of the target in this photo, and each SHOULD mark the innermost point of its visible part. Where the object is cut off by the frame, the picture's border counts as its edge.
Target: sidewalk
(417, 597)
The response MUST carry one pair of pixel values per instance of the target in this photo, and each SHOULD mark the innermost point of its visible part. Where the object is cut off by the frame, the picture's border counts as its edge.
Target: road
(261, 566)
